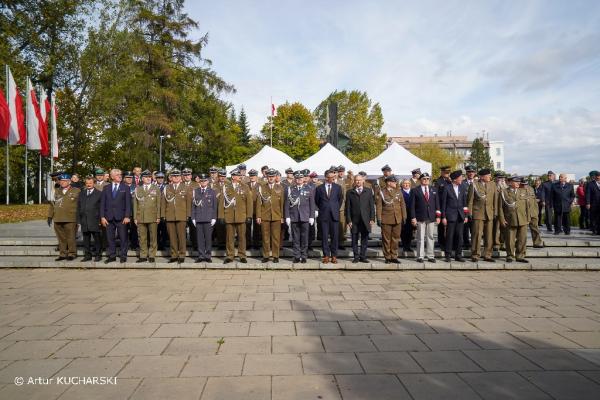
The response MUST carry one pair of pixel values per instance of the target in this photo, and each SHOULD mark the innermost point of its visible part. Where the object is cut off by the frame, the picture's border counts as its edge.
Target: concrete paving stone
(157, 307)
(219, 329)
(168, 317)
(497, 340)
(140, 347)
(82, 318)
(37, 368)
(86, 348)
(310, 305)
(538, 325)
(193, 306)
(118, 307)
(338, 315)
(447, 341)
(281, 305)
(593, 375)
(32, 332)
(415, 313)
(406, 326)
(437, 387)
(246, 345)
(191, 346)
(234, 305)
(169, 388)
(572, 311)
(502, 386)
(125, 318)
(454, 312)
(501, 360)
(584, 339)
(495, 325)
(445, 361)
(359, 387)
(388, 363)
(179, 330)
(451, 325)
(40, 318)
(318, 328)
(94, 366)
(237, 388)
(83, 332)
(306, 387)
(331, 363)
(376, 315)
(211, 316)
(545, 340)
(363, 328)
(272, 364)
(494, 311)
(32, 392)
(295, 315)
(534, 312)
(272, 329)
(214, 365)
(398, 343)
(579, 324)
(297, 344)
(592, 355)
(348, 344)
(556, 359)
(31, 349)
(564, 384)
(131, 331)
(249, 316)
(122, 390)
(153, 367)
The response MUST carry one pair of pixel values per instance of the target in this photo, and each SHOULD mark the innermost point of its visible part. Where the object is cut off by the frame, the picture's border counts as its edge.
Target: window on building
(498, 151)
(499, 165)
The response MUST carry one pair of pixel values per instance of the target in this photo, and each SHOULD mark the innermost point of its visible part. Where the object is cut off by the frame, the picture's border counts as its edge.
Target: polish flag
(16, 131)
(37, 132)
(4, 118)
(53, 130)
(272, 109)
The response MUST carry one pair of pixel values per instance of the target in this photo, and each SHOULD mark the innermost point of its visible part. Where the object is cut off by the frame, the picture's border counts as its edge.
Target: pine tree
(480, 156)
(244, 126)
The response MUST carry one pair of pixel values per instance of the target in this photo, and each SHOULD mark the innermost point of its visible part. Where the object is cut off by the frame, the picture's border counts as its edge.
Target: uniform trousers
(176, 231)
(516, 241)
(390, 235)
(231, 230)
(271, 236)
(147, 248)
(65, 233)
(300, 239)
(204, 232)
(485, 228)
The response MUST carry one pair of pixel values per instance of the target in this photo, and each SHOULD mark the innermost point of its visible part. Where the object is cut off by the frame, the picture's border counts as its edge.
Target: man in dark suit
(592, 198)
(424, 206)
(328, 199)
(454, 215)
(470, 173)
(440, 184)
(88, 217)
(360, 215)
(115, 210)
(563, 196)
(547, 199)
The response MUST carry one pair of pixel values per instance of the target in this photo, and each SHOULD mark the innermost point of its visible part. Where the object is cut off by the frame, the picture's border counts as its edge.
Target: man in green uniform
(63, 212)
(482, 199)
(269, 215)
(512, 214)
(532, 212)
(176, 208)
(146, 214)
(391, 215)
(235, 209)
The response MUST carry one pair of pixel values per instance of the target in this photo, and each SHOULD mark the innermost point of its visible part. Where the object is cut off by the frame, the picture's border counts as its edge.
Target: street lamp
(160, 160)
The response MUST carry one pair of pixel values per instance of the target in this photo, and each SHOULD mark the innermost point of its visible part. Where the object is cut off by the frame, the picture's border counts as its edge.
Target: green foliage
(244, 126)
(359, 119)
(480, 156)
(437, 156)
(294, 131)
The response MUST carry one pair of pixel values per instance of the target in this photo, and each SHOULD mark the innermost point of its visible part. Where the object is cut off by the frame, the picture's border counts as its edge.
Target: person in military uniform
(342, 225)
(387, 171)
(146, 214)
(532, 213)
(470, 174)
(289, 178)
(415, 180)
(499, 230)
(263, 174)
(440, 184)
(63, 212)
(235, 209)
(512, 214)
(253, 230)
(242, 170)
(219, 228)
(214, 176)
(161, 230)
(100, 181)
(204, 217)
(299, 213)
(132, 231)
(482, 199)
(176, 208)
(269, 215)
(190, 185)
(391, 215)
(88, 218)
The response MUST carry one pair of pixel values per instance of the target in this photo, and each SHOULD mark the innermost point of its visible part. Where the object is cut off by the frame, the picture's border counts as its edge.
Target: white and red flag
(37, 131)
(4, 117)
(16, 130)
(53, 129)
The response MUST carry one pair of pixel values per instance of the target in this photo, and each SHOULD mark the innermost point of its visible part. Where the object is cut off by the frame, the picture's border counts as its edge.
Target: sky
(526, 72)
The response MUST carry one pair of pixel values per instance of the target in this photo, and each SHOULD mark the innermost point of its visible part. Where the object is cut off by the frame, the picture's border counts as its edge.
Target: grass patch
(22, 212)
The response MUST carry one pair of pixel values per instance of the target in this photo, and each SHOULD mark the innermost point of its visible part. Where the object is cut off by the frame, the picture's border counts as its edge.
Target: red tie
(426, 194)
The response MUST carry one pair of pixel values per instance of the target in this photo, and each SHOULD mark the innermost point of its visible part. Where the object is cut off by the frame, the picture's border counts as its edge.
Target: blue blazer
(563, 197)
(329, 208)
(421, 209)
(452, 207)
(117, 208)
(592, 194)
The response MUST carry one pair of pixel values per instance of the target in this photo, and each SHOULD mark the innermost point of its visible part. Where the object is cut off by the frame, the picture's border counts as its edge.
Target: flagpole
(50, 138)
(271, 121)
(7, 144)
(26, 137)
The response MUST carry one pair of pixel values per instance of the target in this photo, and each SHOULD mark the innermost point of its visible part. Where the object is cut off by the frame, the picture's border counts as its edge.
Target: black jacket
(360, 208)
(592, 194)
(329, 208)
(452, 207)
(421, 209)
(88, 210)
(562, 197)
(547, 193)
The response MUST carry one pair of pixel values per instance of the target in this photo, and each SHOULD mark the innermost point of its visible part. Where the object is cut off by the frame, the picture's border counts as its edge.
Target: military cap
(515, 178)
(271, 172)
(159, 174)
(277, 173)
(236, 172)
(525, 182)
(391, 178)
(470, 168)
(175, 172)
(264, 167)
(445, 168)
(424, 175)
(416, 171)
(64, 177)
(298, 174)
(386, 167)
(305, 172)
(222, 172)
(289, 171)
(146, 173)
(187, 171)
(333, 168)
(213, 170)
(550, 173)
(241, 166)
(203, 177)
(341, 168)
(253, 172)
(484, 171)
(127, 174)
(313, 175)
(55, 174)
(456, 174)
(99, 171)
(362, 173)
(499, 175)
(594, 173)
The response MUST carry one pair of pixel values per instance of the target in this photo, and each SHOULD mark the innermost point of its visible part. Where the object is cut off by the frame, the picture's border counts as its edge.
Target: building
(460, 145)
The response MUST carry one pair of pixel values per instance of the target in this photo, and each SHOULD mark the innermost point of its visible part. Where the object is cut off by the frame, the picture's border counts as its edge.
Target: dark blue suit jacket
(118, 208)
(329, 208)
(562, 197)
(547, 193)
(452, 207)
(421, 209)
(592, 194)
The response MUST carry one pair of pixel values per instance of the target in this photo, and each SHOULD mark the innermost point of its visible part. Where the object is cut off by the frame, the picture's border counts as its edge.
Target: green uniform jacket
(390, 206)
(64, 206)
(482, 201)
(269, 204)
(176, 205)
(242, 209)
(532, 204)
(512, 207)
(146, 204)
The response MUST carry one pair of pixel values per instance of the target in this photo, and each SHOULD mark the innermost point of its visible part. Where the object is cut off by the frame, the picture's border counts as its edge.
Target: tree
(359, 119)
(244, 126)
(437, 156)
(480, 156)
(294, 131)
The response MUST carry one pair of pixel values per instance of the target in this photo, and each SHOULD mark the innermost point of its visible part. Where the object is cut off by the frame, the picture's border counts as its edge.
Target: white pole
(271, 121)
(40, 179)
(7, 144)
(26, 137)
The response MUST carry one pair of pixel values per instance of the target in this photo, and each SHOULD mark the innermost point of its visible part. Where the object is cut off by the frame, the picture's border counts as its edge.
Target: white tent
(327, 156)
(270, 156)
(398, 158)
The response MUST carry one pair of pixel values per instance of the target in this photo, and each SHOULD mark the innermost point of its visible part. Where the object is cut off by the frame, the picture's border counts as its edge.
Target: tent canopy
(270, 156)
(327, 156)
(398, 158)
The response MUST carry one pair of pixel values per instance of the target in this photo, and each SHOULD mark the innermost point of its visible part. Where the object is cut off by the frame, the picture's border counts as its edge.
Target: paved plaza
(220, 334)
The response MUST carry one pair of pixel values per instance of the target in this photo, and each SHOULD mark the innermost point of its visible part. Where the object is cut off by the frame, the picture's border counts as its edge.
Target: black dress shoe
(60, 258)
(98, 258)
(86, 258)
(243, 260)
(172, 260)
(460, 259)
(395, 261)
(70, 258)
(303, 260)
(151, 260)
(276, 260)
(431, 260)
(489, 260)
(387, 261)
(538, 246)
(123, 260)
(364, 260)
(522, 260)
(141, 260)
(181, 260)
(355, 260)
(448, 259)
(296, 260)
(227, 261)
(419, 260)
(509, 260)
(199, 260)
(208, 260)
(110, 259)
(265, 260)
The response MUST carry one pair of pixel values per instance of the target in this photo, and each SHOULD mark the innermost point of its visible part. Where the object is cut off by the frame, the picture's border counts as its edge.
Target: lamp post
(160, 150)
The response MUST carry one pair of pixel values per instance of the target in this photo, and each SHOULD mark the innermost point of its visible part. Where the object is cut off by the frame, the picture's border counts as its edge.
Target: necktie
(271, 187)
(114, 192)
(426, 194)
(328, 190)
(202, 191)
(89, 191)
(359, 190)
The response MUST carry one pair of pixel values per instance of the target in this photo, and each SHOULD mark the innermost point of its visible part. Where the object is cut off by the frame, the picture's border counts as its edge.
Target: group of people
(144, 210)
